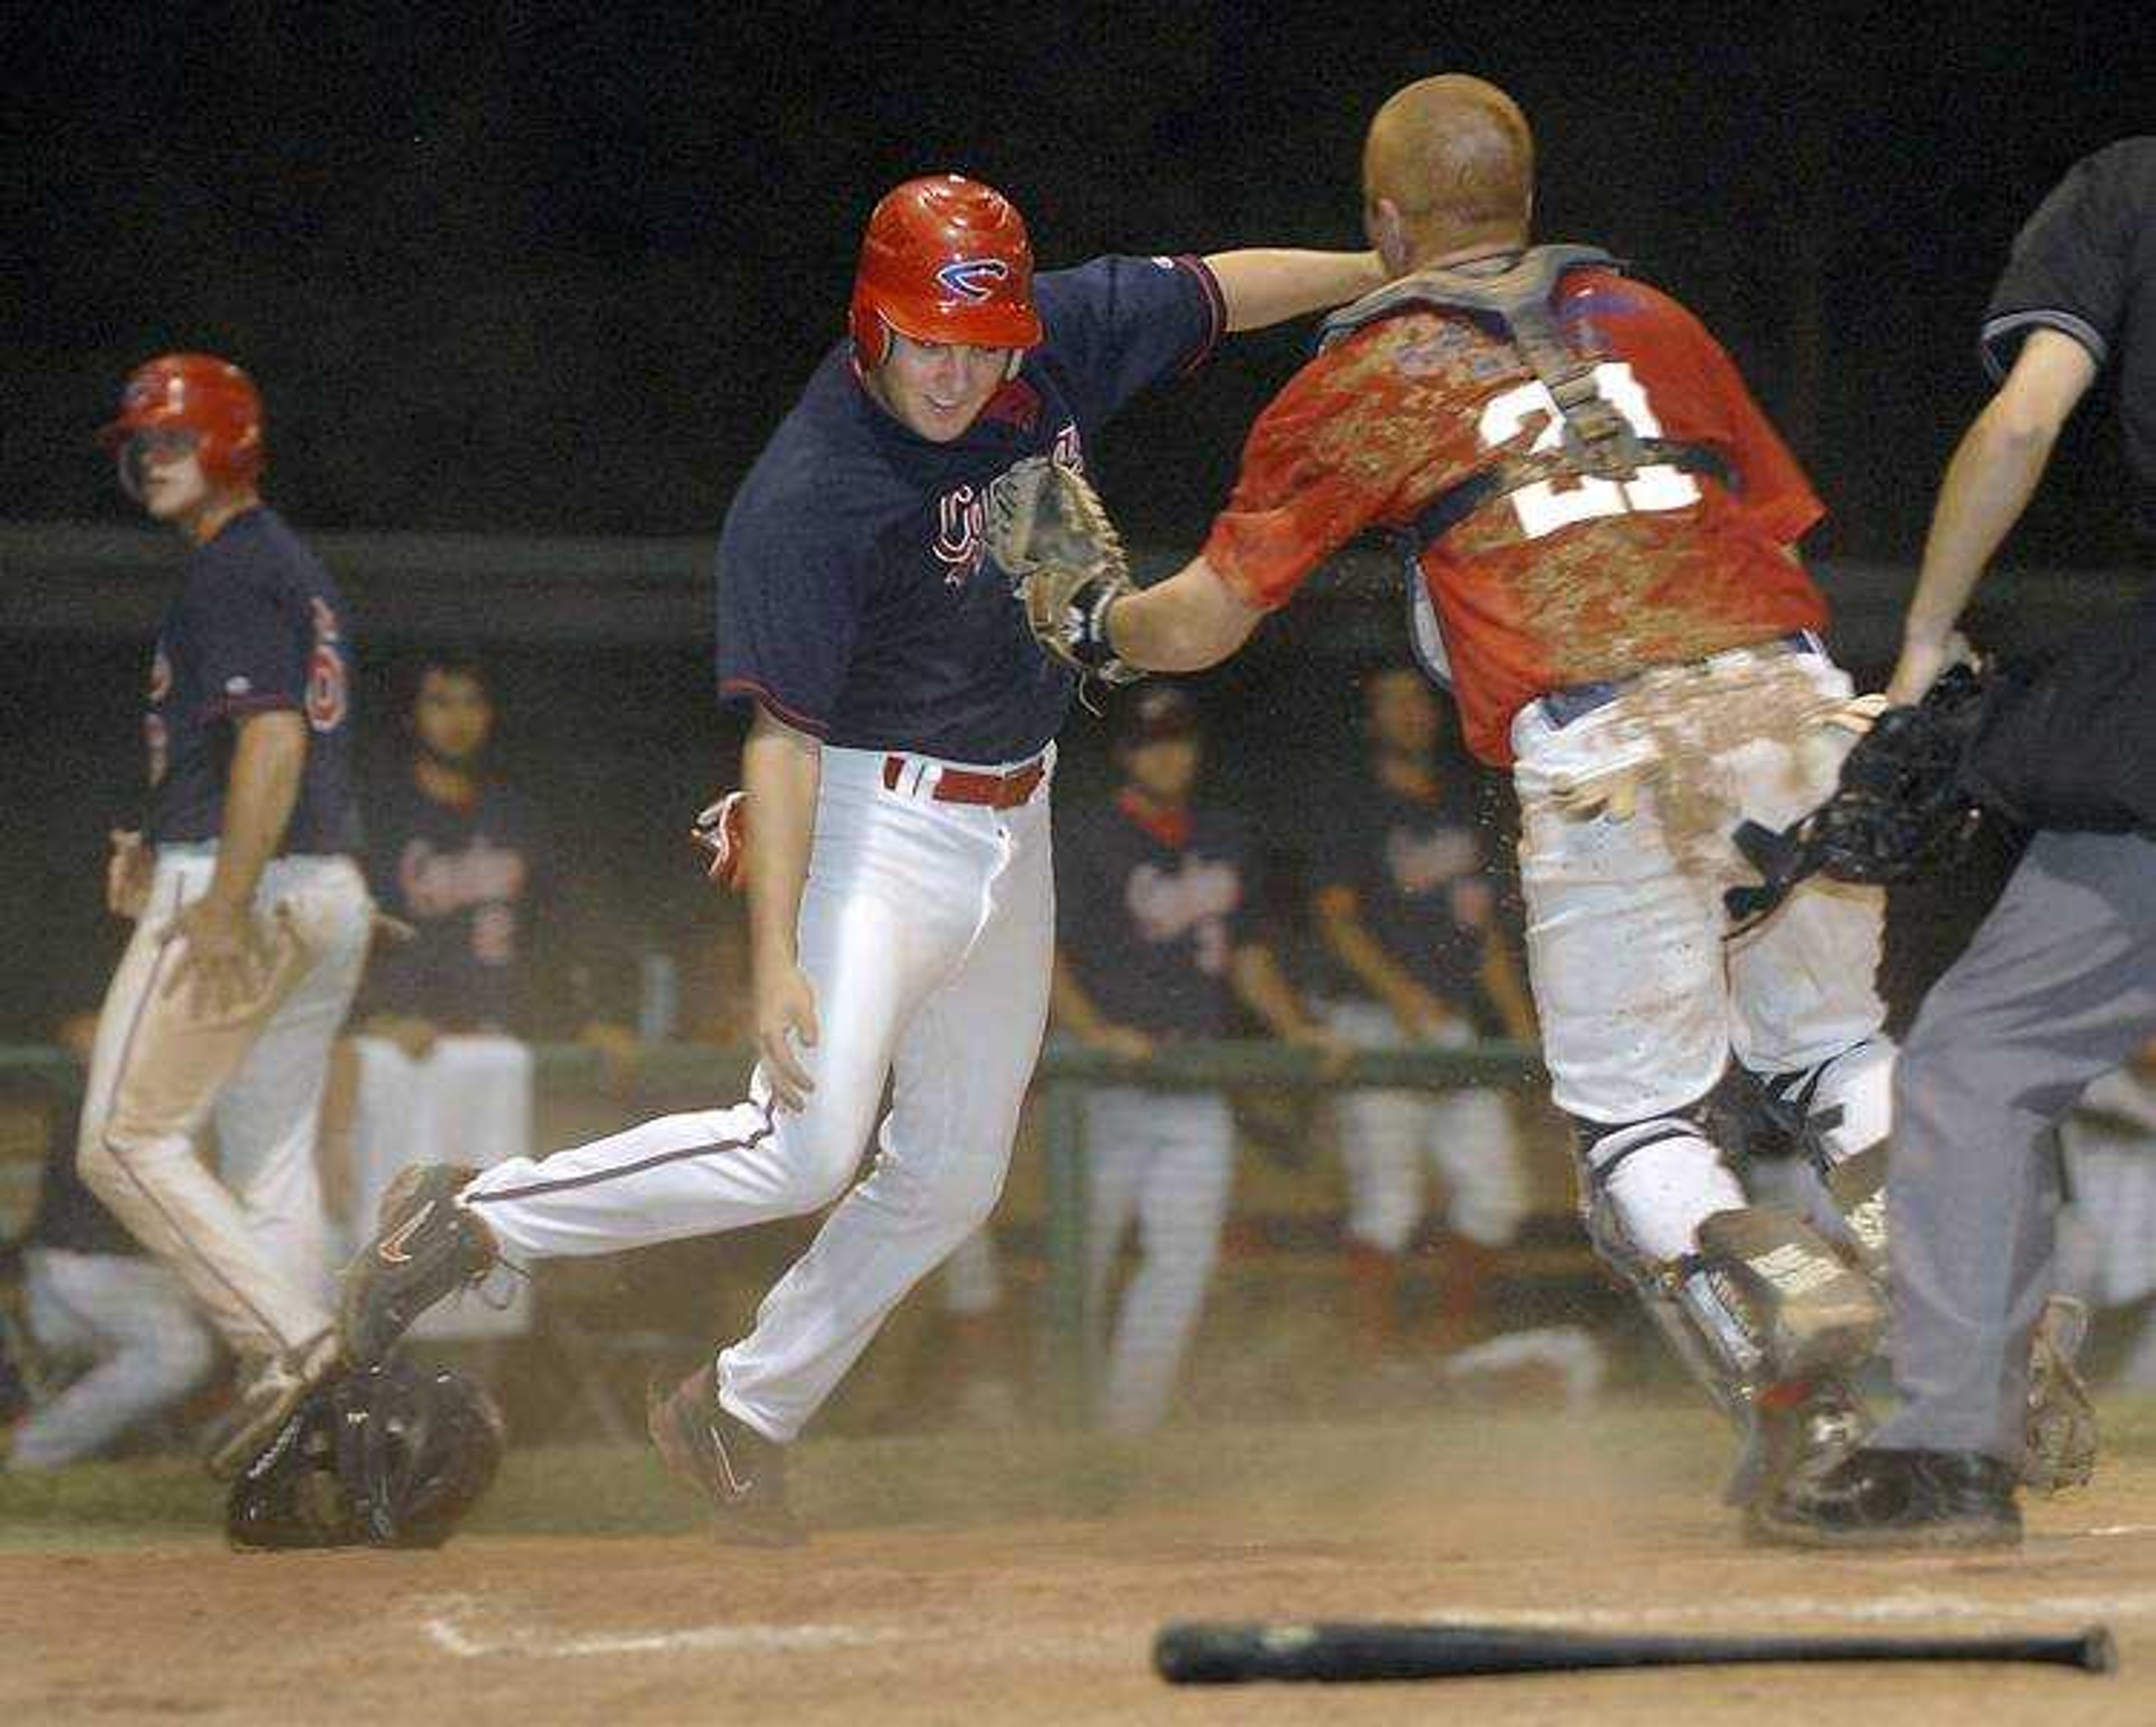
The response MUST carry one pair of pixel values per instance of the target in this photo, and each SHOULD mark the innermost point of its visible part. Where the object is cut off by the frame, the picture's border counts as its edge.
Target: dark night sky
(558, 272)
(516, 267)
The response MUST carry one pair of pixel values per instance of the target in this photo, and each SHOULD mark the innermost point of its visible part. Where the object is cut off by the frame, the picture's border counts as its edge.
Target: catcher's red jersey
(1555, 583)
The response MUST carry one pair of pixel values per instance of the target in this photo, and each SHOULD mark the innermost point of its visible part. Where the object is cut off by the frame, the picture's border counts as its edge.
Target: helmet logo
(974, 278)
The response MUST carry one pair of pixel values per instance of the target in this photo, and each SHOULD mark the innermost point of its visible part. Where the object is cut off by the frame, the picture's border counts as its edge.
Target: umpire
(2060, 984)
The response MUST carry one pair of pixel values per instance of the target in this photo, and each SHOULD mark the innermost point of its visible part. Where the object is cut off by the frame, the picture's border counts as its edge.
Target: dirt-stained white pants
(927, 931)
(1643, 994)
(250, 1247)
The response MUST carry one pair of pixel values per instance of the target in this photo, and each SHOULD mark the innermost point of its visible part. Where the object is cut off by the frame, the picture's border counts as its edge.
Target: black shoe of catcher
(426, 1246)
(742, 1473)
(1898, 1498)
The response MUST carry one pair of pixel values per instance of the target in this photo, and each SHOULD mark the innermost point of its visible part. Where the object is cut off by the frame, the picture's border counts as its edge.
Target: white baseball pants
(1167, 1160)
(251, 1247)
(1388, 1140)
(927, 930)
(1642, 995)
(130, 1319)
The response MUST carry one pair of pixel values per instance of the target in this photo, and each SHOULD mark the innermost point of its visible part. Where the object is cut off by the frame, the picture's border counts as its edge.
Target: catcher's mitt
(1904, 803)
(1048, 528)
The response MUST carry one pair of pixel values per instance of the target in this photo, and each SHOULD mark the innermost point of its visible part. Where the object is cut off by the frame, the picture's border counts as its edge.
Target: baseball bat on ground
(1227, 1654)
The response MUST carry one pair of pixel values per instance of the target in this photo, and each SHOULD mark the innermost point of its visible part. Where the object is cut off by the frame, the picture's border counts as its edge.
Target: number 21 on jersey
(1542, 506)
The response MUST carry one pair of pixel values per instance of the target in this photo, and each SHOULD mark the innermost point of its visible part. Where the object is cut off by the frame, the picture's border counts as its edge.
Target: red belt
(967, 785)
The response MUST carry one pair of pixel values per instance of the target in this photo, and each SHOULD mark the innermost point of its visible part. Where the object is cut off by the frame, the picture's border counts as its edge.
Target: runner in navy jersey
(896, 769)
(251, 916)
(1157, 942)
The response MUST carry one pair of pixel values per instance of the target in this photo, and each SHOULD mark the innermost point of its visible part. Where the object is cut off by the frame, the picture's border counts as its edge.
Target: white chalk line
(446, 1629)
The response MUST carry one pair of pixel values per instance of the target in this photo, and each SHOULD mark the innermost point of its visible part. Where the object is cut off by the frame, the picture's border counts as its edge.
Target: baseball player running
(1602, 524)
(1404, 902)
(896, 769)
(2059, 986)
(251, 916)
(1156, 895)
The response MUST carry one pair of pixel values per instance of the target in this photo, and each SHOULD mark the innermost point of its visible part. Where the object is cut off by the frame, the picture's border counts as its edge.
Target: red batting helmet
(200, 394)
(945, 259)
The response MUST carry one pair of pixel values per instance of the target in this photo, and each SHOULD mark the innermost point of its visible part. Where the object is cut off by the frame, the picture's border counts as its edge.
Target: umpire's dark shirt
(2086, 266)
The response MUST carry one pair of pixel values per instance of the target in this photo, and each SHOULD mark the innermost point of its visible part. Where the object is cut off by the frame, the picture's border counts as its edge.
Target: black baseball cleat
(1897, 1498)
(742, 1473)
(426, 1246)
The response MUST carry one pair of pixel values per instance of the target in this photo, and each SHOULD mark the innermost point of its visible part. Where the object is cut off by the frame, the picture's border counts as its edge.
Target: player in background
(1602, 526)
(251, 916)
(441, 1063)
(2059, 984)
(1405, 902)
(1156, 905)
(897, 768)
(95, 1304)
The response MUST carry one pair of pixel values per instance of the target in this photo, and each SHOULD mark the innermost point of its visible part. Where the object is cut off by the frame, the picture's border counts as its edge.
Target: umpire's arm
(1993, 475)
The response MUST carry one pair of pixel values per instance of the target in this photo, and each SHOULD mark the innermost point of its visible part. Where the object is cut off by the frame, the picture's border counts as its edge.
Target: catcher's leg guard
(1840, 1111)
(1750, 1296)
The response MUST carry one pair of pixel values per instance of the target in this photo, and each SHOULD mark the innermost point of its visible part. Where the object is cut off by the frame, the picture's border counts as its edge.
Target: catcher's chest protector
(1517, 304)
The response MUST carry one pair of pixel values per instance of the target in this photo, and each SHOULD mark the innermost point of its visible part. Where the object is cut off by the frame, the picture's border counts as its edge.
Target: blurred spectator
(94, 1303)
(2108, 1230)
(1154, 897)
(440, 1069)
(1405, 903)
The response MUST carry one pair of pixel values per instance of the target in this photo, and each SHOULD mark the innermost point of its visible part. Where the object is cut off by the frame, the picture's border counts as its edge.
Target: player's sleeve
(251, 648)
(2071, 266)
(789, 604)
(1315, 474)
(1117, 325)
(1772, 489)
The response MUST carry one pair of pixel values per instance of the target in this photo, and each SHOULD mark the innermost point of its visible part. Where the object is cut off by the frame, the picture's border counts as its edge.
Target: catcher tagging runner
(251, 917)
(897, 776)
(1601, 523)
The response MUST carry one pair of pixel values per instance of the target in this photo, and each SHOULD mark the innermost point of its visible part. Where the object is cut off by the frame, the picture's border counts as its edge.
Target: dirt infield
(1022, 1581)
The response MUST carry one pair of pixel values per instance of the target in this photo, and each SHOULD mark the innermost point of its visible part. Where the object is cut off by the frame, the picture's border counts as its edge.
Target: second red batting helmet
(200, 394)
(945, 259)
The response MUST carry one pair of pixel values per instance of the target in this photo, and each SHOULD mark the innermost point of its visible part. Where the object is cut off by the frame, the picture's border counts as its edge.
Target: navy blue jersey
(1421, 884)
(466, 878)
(258, 625)
(856, 598)
(1149, 917)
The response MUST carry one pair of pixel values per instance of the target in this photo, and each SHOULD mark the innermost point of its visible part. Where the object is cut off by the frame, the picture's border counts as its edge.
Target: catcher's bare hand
(785, 1011)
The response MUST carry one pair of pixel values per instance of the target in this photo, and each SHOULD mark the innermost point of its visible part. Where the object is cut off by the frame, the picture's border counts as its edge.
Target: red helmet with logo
(945, 259)
(200, 394)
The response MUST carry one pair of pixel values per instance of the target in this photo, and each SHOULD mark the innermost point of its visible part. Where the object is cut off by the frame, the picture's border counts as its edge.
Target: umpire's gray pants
(2058, 987)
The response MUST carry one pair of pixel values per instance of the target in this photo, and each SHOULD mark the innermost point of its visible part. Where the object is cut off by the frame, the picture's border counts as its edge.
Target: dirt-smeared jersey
(1558, 582)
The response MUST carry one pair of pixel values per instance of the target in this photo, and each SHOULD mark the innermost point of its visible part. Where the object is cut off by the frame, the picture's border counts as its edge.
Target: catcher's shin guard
(1807, 1312)
(427, 1247)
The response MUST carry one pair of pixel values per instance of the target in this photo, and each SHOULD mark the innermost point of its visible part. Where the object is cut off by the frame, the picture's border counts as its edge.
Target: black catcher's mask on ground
(393, 1456)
